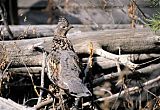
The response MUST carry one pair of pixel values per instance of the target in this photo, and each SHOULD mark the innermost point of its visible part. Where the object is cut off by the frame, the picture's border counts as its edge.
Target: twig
(19, 50)
(30, 77)
(46, 90)
(132, 13)
(144, 70)
(147, 85)
(42, 77)
(120, 79)
(31, 99)
(62, 106)
(139, 8)
(7, 67)
(5, 22)
(148, 62)
(90, 62)
(151, 93)
(42, 104)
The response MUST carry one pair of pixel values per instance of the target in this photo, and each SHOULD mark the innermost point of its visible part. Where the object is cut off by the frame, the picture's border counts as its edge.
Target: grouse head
(63, 27)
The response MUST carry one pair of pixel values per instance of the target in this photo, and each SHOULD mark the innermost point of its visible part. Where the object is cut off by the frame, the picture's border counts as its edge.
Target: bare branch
(5, 22)
(42, 77)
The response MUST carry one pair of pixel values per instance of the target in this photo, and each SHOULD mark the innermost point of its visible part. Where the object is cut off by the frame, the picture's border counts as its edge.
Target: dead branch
(147, 85)
(106, 63)
(4, 19)
(42, 104)
(122, 59)
(42, 77)
(7, 104)
(145, 70)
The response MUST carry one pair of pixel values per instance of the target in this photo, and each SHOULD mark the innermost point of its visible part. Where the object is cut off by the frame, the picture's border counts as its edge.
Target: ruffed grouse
(62, 62)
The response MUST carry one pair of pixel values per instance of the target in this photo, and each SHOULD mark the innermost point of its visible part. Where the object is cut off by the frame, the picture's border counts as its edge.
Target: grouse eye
(63, 27)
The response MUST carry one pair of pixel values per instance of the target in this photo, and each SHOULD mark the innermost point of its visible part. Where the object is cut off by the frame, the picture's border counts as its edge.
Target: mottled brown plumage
(62, 62)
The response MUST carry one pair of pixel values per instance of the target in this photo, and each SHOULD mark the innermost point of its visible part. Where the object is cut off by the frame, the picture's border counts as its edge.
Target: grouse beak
(70, 27)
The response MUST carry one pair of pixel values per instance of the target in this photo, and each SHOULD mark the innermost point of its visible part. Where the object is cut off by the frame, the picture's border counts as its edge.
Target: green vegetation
(154, 23)
(155, 2)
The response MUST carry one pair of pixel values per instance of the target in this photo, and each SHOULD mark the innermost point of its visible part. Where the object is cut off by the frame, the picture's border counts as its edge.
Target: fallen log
(128, 41)
(107, 64)
(36, 60)
(37, 31)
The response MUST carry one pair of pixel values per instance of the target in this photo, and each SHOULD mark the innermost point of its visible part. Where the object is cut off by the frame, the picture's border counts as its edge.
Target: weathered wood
(21, 70)
(106, 63)
(36, 31)
(129, 41)
(36, 60)
(7, 104)
(146, 70)
(132, 90)
(37, 71)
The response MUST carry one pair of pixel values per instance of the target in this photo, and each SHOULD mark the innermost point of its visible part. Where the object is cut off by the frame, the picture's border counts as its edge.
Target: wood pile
(124, 66)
